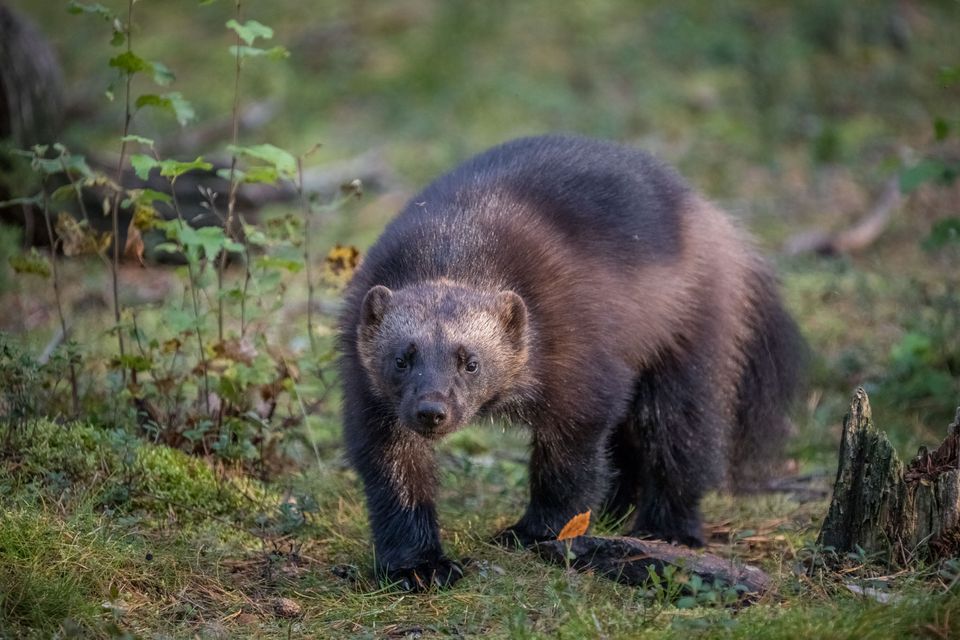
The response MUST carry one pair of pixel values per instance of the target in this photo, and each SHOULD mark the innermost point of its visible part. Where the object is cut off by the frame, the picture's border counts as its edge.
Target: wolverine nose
(431, 414)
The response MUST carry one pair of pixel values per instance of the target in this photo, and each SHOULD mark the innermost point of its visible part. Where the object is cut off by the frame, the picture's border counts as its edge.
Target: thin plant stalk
(232, 197)
(74, 391)
(307, 219)
(195, 299)
(115, 209)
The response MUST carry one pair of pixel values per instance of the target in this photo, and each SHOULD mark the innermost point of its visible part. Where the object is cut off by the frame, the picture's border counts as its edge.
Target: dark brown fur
(582, 289)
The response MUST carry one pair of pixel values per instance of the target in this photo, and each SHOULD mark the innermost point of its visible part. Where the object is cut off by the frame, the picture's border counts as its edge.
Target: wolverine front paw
(424, 576)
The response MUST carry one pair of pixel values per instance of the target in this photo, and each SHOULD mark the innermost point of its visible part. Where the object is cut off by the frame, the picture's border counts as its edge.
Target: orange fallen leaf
(577, 526)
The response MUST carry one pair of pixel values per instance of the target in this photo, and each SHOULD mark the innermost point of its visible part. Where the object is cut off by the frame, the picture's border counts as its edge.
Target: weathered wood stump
(896, 514)
(626, 560)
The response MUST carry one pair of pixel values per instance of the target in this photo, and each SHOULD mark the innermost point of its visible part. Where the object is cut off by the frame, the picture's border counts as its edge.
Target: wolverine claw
(437, 574)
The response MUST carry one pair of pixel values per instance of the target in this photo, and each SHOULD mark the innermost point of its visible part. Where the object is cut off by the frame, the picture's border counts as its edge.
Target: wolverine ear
(512, 313)
(374, 305)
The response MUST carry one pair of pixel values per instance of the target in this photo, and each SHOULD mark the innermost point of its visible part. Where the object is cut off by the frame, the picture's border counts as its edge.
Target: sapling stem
(74, 391)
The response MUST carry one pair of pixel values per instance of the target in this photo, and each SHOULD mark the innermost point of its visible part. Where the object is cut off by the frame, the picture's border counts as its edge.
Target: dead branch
(856, 238)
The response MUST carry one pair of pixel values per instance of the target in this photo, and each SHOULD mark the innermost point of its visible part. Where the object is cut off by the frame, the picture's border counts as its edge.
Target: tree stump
(896, 514)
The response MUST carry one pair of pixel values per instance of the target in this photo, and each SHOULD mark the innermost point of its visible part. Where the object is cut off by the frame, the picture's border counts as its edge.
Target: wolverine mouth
(430, 433)
(429, 429)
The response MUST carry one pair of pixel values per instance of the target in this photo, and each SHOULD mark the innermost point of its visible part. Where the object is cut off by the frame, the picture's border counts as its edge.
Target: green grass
(173, 559)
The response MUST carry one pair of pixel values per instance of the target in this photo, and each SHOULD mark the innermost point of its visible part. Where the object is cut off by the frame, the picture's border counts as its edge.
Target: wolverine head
(441, 352)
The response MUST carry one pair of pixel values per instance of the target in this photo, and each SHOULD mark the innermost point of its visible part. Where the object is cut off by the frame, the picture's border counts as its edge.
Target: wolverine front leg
(397, 469)
(568, 474)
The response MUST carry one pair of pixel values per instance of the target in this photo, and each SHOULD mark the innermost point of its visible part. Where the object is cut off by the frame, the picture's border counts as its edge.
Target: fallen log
(893, 514)
(629, 561)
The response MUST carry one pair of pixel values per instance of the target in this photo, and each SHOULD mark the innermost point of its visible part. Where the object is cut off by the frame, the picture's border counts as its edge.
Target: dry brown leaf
(577, 526)
(77, 238)
(134, 246)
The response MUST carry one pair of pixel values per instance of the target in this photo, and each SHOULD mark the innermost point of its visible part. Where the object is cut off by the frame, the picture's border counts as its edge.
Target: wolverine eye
(472, 366)
(401, 363)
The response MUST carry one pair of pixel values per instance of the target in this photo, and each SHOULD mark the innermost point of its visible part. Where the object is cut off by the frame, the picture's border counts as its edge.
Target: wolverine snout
(431, 414)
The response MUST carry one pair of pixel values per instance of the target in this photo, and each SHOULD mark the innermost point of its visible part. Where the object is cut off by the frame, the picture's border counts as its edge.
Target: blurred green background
(717, 87)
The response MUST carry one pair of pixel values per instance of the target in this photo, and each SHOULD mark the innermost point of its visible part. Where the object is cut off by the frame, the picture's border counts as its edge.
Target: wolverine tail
(774, 360)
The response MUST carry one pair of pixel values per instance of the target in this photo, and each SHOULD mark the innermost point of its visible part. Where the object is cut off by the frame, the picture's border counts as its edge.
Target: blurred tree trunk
(31, 84)
(31, 107)
(882, 509)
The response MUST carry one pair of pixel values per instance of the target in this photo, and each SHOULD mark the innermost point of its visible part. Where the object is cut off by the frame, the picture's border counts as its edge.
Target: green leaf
(944, 232)
(130, 63)
(96, 8)
(273, 53)
(135, 361)
(147, 142)
(34, 201)
(271, 262)
(686, 602)
(64, 194)
(225, 174)
(258, 175)
(695, 583)
(254, 236)
(174, 169)
(211, 240)
(75, 164)
(172, 102)
(941, 128)
(283, 161)
(920, 173)
(167, 247)
(194, 435)
(46, 166)
(949, 75)
(33, 262)
(142, 164)
(162, 74)
(250, 30)
(145, 197)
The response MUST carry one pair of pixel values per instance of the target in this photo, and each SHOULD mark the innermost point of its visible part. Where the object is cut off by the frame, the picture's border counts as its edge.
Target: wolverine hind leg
(667, 453)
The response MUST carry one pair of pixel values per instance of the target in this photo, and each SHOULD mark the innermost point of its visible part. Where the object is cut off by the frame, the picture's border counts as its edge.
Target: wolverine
(581, 289)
